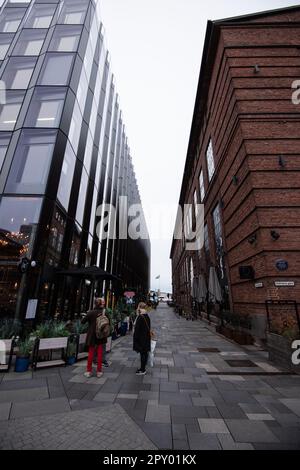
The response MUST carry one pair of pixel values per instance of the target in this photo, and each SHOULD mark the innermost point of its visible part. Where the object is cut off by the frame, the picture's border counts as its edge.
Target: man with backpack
(97, 334)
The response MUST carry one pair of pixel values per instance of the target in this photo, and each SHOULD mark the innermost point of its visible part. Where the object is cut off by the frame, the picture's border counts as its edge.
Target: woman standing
(142, 336)
(94, 344)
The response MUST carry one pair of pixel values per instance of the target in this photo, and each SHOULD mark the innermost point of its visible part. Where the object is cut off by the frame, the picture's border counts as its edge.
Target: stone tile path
(191, 399)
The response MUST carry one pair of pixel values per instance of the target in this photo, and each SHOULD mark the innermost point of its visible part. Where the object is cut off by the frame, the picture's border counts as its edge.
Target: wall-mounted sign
(258, 285)
(284, 283)
(282, 265)
(31, 309)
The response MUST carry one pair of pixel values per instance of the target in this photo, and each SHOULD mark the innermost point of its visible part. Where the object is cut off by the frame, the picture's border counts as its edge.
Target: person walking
(142, 336)
(94, 343)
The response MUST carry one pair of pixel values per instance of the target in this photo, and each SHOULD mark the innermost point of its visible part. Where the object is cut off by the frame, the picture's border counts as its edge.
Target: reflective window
(75, 127)
(4, 142)
(210, 160)
(73, 11)
(18, 216)
(40, 16)
(195, 203)
(30, 42)
(10, 19)
(66, 177)
(88, 153)
(82, 90)
(30, 167)
(202, 187)
(5, 42)
(56, 69)
(46, 107)
(93, 211)
(217, 227)
(9, 111)
(18, 72)
(82, 197)
(65, 39)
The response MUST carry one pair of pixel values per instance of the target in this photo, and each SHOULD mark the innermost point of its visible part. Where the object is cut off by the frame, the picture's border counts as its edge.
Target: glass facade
(63, 152)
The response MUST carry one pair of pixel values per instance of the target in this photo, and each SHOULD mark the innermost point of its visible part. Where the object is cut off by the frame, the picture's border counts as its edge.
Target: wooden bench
(6, 354)
(49, 344)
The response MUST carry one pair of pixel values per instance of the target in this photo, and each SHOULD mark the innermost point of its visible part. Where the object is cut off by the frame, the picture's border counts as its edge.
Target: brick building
(243, 164)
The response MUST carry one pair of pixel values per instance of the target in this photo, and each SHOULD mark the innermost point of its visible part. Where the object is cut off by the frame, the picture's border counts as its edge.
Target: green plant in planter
(51, 329)
(25, 347)
(79, 328)
(291, 334)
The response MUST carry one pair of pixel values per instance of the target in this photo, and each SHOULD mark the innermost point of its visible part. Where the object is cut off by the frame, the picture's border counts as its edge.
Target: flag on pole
(158, 277)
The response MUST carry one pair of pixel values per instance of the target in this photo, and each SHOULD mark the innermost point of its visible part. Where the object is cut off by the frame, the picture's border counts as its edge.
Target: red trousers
(91, 357)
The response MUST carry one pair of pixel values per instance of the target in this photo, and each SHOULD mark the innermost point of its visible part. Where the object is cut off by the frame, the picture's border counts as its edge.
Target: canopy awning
(89, 272)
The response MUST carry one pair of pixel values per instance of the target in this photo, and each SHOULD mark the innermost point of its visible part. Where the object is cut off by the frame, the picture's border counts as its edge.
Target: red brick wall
(251, 120)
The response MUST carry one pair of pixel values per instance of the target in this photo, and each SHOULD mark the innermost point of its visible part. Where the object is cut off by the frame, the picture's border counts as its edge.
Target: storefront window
(19, 217)
(30, 167)
(46, 107)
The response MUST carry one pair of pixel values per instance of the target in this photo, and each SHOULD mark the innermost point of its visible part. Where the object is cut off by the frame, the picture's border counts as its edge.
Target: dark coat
(141, 335)
(91, 339)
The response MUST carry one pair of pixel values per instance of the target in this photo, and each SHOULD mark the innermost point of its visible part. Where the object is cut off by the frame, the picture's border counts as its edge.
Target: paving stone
(180, 445)
(107, 397)
(158, 414)
(39, 408)
(204, 442)
(171, 398)
(26, 394)
(169, 387)
(160, 434)
(236, 397)
(189, 411)
(203, 401)
(293, 404)
(228, 443)
(260, 417)
(179, 432)
(4, 411)
(250, 431)
(213, 426)
(231, 411)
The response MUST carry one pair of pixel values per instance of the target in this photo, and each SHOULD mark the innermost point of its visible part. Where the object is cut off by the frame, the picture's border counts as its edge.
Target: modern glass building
(63, 152)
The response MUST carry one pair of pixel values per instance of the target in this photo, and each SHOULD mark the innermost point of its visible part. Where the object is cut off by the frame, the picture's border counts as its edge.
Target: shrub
(9, 328)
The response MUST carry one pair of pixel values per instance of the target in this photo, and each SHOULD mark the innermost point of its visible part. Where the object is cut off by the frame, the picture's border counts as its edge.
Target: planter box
(280, 351)
(50, 344)
(6, 353)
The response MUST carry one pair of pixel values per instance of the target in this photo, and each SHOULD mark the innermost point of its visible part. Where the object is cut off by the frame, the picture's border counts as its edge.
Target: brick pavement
(190, 399)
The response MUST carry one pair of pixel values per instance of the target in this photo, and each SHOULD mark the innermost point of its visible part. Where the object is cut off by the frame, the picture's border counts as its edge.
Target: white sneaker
(99, 374)
(88, 374)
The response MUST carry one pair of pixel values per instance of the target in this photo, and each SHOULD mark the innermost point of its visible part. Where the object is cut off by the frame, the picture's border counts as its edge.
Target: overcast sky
(156, 49)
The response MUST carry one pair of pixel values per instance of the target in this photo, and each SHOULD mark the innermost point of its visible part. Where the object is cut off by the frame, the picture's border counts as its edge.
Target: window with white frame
(210, 160)
(202, 188)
